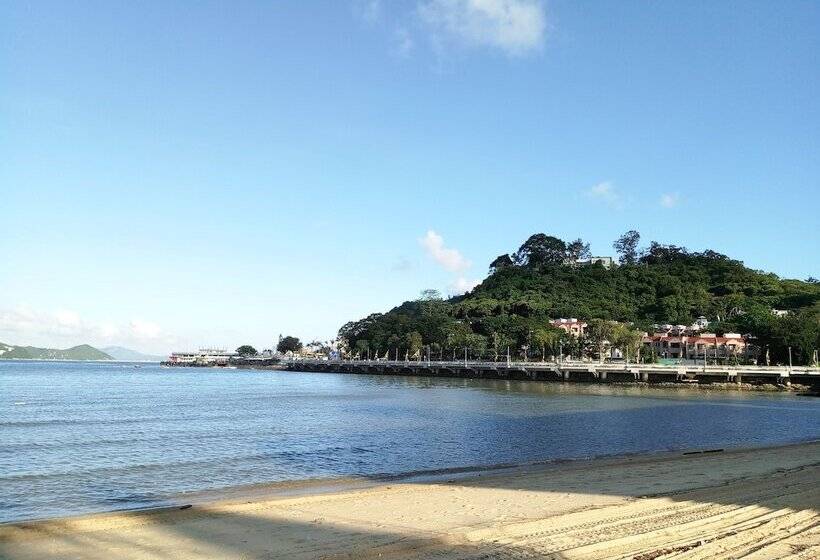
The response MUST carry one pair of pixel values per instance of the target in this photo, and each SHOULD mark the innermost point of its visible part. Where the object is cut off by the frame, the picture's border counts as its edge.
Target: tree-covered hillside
(549, 278)
(81, 352)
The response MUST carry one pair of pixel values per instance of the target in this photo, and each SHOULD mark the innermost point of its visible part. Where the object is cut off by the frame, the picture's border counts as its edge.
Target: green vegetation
(246, 350)
(289, 344)
(82, 352)
(544, 279)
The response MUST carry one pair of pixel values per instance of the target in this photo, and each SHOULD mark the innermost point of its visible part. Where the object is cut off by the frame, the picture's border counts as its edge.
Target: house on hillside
(573, 326)
(698, 346)
(606, 262)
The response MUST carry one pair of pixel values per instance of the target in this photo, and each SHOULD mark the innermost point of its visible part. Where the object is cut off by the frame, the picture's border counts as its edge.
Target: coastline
(473, 511)
(793, 388)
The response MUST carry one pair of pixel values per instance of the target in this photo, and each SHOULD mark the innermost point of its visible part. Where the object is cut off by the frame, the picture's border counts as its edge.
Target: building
(572, 326)
(700, 323)
(606, 262)
(680, 330)
(203, 356)
(697, 346)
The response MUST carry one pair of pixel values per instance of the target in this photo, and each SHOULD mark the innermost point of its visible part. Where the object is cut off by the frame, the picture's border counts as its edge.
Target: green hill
(548, 278)
(81, 352)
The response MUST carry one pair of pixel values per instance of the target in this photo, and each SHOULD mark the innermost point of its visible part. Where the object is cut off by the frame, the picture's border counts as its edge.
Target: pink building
(572, 326)
(696, 347)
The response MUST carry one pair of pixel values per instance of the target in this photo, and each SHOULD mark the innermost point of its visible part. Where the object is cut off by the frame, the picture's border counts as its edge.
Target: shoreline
(709, 381)
(794, 388)
(463, 510)
(331, 485)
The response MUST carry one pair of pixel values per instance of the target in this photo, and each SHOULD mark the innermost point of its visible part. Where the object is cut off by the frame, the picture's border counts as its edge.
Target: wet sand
(758, 503)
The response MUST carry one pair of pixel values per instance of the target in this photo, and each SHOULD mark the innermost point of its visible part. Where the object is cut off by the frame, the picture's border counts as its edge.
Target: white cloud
(514, 26)
(450, 259)
(670, 200)
(461, 285)
(66, 318)
(144, 329)
(605, 192)
(23, 325)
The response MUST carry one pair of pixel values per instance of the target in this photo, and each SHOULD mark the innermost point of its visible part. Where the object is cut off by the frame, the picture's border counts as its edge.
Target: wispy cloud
(449, 259)
(517, 27)
(63, 327)
(605, 192)
(461, 285)
(670, 200)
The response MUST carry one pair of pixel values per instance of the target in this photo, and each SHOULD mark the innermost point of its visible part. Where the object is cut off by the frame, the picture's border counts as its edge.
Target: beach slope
(753, 504)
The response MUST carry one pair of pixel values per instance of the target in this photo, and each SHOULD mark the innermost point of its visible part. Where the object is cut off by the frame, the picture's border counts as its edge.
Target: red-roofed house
(698, 346)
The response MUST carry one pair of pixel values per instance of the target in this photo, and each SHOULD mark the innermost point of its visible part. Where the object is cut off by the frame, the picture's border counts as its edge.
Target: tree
(289, 344)
(414, 343)
(657, 253)
(500, 343)
(501, 261)
(246, 350)
(627, 247)
(577, 250)
(430, 295)
(362, 347)
(546, 337)
(627, 340)
(475, 344)
(671, 286)
(600, 332)
(541, 249)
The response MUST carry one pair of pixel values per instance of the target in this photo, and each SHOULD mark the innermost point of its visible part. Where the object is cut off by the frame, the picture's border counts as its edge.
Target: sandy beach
(759, 503)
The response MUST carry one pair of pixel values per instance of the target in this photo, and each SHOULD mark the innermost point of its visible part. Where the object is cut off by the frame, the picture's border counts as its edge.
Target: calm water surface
(83, 437)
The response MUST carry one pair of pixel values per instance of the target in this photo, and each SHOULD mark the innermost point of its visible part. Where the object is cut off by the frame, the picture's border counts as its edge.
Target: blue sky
(182, 174)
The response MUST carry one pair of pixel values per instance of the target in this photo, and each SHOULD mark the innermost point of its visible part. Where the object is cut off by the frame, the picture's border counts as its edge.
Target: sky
(182, 174)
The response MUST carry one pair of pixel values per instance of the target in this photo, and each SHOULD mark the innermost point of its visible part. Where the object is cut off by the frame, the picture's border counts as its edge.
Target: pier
(571, 371)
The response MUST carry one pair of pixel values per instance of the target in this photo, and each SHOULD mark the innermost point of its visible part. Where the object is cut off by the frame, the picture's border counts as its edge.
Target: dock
(570, 371)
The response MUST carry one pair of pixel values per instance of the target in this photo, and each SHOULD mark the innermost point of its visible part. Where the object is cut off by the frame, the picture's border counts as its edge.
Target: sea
(79, 437)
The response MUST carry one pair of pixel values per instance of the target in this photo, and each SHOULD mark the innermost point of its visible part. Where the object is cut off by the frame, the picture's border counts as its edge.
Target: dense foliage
(544, 279)
(246, 350)
(289, 344)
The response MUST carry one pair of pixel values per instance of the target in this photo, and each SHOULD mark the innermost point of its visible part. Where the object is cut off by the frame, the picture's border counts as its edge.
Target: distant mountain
(81, 352)
(128, 355)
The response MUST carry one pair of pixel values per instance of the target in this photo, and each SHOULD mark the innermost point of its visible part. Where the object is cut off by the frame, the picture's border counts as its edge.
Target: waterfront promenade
(570, 371)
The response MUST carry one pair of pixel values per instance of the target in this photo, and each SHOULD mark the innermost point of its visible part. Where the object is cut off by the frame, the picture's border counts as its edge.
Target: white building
(606, 262)
(203, 356)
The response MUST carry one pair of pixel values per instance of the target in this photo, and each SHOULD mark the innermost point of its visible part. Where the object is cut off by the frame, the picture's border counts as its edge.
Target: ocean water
(87, 437)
